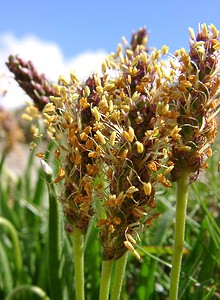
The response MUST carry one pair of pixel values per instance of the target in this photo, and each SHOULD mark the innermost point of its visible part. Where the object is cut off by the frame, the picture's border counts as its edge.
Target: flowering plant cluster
(147, 120)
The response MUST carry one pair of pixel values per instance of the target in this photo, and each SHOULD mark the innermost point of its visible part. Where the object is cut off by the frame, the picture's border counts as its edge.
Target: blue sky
(78, 26)
(55, 34)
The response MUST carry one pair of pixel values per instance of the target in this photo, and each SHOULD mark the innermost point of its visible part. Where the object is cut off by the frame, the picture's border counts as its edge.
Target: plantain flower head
(194, 99)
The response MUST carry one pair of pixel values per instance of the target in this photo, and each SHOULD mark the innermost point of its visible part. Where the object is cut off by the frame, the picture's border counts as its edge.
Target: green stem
(119, 276)
(105, 279)
(78, 254)
(54, 246)
(17, 251)
(181, 205)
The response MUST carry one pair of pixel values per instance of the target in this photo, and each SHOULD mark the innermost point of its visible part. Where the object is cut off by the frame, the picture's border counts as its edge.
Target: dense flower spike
(69, 118)
(131, 138)
(35, 85)
(194, 98)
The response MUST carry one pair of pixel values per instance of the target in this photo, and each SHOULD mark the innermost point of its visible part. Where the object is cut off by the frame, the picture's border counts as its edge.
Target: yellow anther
(135, 61)
(120, 48)
(87, 91)
(126, 135)
(63, 92)
(186, 83)
(121, 56)
(99, 89)
(109, 87)
(184, 148)
(164, 49)
(168, 170)
(129, 79)
(147, 188)
(111, 106)
(96, 114)
(104, 67)
(205, 30)
(165, 109)
(75, 96)
(73, 77)
(131, 133)
(49, 108)
(214, 31)
(144, 57)
(63, 80)
(175, 132)
(101, 137)
(112, 138)
(164, 153)
(129, 246)
(125, 42)
(131, 190)
(140, 147)
(129, 52)
(135, 96)
(130, 238)
(56, 89)
(192, 33)
(97, 80)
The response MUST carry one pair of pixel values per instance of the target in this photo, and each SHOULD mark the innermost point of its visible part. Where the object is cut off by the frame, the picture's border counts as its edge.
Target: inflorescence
(141, 123)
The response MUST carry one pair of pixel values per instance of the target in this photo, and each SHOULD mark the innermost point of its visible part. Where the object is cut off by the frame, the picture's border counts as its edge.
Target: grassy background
(25, 205)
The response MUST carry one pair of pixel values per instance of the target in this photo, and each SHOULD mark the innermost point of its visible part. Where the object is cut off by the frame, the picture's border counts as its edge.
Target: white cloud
(47, 58)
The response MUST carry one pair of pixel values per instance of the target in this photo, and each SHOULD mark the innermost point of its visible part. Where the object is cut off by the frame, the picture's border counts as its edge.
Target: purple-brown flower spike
(36, 85)
(139, 39)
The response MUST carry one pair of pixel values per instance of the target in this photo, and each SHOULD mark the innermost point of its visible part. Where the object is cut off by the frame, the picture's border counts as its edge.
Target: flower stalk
(181, 205)
(105, 279)
(78, 255)
(119, 276)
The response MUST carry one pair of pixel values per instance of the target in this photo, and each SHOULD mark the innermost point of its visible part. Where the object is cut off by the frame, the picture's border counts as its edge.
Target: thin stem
(119, 276)
(78, 255)
(105, 279)
(181, 205)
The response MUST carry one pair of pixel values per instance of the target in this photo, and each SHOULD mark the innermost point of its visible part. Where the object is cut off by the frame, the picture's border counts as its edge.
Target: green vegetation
(24, 204)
